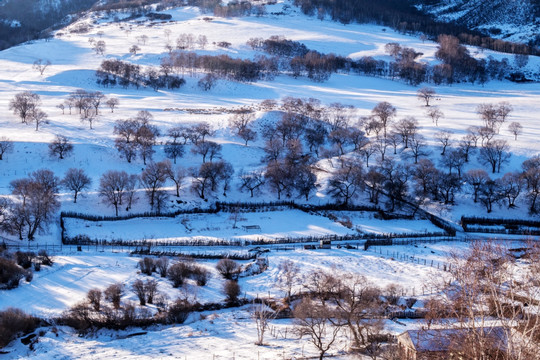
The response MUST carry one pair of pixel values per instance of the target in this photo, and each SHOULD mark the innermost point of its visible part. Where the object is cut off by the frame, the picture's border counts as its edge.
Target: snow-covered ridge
(515, 19)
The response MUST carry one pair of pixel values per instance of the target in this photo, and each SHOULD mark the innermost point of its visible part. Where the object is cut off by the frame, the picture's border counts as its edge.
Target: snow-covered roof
(438, 340)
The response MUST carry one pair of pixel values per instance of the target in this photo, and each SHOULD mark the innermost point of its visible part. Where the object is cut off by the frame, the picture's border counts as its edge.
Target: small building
(435, 344)
(325, 244)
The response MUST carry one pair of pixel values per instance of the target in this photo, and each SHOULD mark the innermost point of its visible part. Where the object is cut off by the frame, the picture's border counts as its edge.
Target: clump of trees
(332, 305)
(117, 188)
(34, 206)
(26, 105)
(186, 269)
(136, 137)
(116, 72)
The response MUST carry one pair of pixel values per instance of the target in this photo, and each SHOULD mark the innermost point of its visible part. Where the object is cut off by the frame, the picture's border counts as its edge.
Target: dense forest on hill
(405, 17)
(25, 20)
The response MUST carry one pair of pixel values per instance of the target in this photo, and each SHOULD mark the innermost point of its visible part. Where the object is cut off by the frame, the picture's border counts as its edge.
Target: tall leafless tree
(76, 180)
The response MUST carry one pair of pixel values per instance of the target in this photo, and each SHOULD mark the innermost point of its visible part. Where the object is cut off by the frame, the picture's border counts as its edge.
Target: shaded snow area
(273, 225)
(224, 334)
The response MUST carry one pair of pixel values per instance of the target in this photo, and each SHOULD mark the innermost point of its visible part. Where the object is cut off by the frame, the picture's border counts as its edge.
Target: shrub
(94, 298)
(14, 321)
(140, 290)
(228, 268)
(44, 258)
(179, 311)
(150, 287)
(114, 293)
(200, 275)
(10, 274)
(162, 265)
(24, 259)
(231, 290)
(147, 266)
(178, 273)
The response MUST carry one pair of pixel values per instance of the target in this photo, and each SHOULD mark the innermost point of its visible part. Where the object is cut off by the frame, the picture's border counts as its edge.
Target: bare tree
(126, 129)
(381, 145)
(486, 134)
(466, 145)
(60, 146)
(100, 47)
(315, 321)
(490, 194)
(95, 98)
(515, 128)
(24, 105)
(202, 40)
(231, 289)
(40, 66)
(207, 149)
(426, 94)
(6, 146)
(112, 103)
(128, 150)
(37, 203)
(418, 147)
(145, 138)
(346, 182)
(511, 185)
(113, 187)
(162, 265)
(251, 181)
(359, 304)
(113, 293)
(367, 150)
(76, 180)
(177, 175)
(89, 115)
(140, 290)
(173, 148)
(39, 117)
(435, 114)
(444, 137)
(262, 315)
(406, 128)
(153, 177)
(247, 134)
(228, 268)
(384, 112)
(94, 298)
(476, 178)
(495, 153)
(134, 49)
(288, 277)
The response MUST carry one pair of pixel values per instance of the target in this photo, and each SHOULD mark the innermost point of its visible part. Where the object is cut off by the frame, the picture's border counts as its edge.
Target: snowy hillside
(177, 43)
(513, 20)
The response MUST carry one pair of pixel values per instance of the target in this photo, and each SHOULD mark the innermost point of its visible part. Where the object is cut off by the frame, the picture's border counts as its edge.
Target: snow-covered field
(220, 333)
(224, 334)
(273, 225)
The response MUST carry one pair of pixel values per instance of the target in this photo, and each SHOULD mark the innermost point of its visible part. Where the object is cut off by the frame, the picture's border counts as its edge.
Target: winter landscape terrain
(264, 171)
